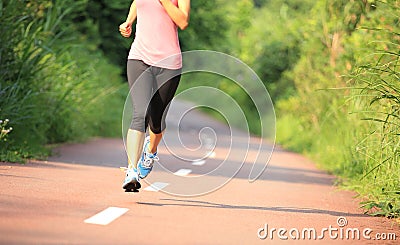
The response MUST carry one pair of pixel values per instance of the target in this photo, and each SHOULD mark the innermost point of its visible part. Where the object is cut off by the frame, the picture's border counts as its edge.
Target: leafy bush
(376, 81)
(54, 87)
(345, 113)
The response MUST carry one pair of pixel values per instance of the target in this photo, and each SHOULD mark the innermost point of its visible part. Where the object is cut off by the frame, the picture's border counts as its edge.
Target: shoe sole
(133, 186)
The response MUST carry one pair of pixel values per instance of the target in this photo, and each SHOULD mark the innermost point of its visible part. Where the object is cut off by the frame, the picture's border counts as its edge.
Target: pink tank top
(156, 39)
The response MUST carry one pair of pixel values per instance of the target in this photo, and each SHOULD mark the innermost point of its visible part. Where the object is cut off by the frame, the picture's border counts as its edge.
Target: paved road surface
(56, 202)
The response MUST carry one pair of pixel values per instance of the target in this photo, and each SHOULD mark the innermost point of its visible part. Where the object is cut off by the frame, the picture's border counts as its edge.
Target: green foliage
(345, 112)
(270, 43)
(48, 93)
(103, 18)
(207, 26)
(377, 80)
(259, 3)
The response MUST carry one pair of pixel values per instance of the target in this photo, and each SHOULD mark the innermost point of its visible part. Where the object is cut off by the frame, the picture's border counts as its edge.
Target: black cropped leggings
(151, 90)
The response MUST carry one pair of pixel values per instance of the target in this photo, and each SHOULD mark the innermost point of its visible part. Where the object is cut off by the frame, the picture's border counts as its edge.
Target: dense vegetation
(345, 109)
(55, 85)
(331, 68)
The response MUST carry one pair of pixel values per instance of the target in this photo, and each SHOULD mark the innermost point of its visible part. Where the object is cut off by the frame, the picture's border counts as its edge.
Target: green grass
(54, 86)
(346, 115)
(381, 148)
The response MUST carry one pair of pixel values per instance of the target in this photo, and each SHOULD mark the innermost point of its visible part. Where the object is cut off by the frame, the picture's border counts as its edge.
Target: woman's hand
(125, 29)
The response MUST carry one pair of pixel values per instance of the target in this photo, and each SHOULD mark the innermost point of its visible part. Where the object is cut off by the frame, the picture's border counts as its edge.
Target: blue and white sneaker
(131, 182)
(147, 160)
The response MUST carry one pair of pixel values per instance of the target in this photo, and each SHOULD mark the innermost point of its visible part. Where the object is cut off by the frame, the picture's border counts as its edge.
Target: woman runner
(154, 70)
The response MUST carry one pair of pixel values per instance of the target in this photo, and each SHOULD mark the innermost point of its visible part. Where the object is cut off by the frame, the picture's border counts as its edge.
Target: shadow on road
(204, 204)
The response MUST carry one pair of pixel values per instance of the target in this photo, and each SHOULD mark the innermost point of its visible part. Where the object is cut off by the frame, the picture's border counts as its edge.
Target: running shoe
(147, 160)
(131, 182)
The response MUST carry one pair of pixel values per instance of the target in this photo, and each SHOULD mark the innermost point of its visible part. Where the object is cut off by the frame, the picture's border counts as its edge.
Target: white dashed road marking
(183, 172)
(211, 154)
(199, 163)
(106, 216)
(156, 186)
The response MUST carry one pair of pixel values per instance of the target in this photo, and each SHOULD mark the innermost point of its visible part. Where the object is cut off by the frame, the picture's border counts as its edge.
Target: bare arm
(132, 13)
(180, 14)
(126, 28)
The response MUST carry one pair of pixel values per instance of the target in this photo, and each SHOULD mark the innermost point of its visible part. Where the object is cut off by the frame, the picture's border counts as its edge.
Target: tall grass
(379, 96)
(54, 86)
(350, 127)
